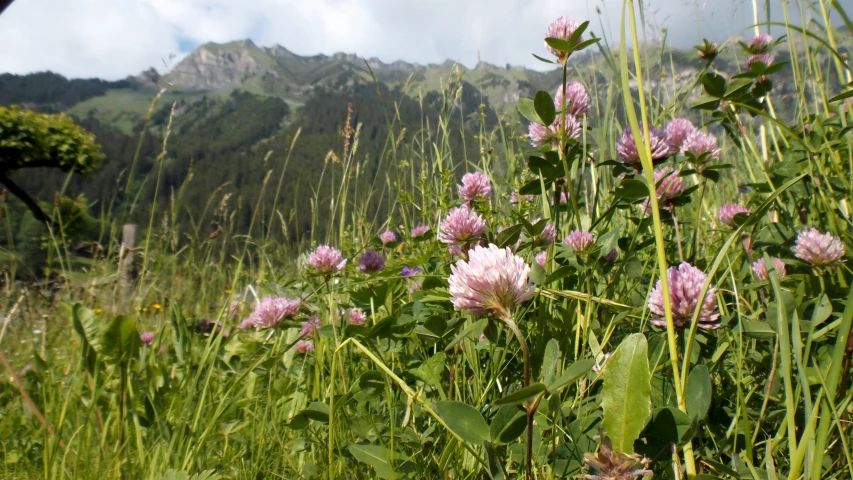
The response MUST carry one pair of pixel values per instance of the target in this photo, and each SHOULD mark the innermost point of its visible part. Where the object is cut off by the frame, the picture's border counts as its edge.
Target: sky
(112, 39)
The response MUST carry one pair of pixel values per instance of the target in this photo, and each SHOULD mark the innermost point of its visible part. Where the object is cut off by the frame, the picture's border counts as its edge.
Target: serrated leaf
(464, 420)
(626, 393)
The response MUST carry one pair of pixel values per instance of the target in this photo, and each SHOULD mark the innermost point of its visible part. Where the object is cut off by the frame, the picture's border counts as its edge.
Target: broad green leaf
(520, 396)
(316, 411)
(626, 393)
(632, 189)
(670, 425)
(121, 339)
(509, 423)
(375, 456)
(430, 371)
(698, 393)
(572, 374)
(544, 105)
(509, 236)
(464, 420)
(714, 84)
(550, 361)
(528, 110)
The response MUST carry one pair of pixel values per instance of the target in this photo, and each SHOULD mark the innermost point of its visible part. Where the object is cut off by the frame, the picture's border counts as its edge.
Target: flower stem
(530, 410)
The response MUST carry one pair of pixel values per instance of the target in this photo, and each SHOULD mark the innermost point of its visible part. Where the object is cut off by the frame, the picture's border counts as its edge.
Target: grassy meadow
(607, 294)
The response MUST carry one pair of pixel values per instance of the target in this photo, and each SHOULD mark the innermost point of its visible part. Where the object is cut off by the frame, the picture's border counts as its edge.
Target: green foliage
(626, 395)
(30, 139)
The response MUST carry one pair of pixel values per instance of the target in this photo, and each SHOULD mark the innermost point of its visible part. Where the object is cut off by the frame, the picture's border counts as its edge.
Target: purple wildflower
(728, 212)
(541, 135)
(514, 197)
(387, 237)
(579, 240)
(303, 347)
(759, 267)
(474, 185)
(327, 260)
(541, 258)
(698, 143)
(357, 317)
(272, 310)
(310, 326)
(577, 97)
(821, 250)
(677, 131)
(419, 230)
(492, 282)
(410, 272)
(685, 286)
(371, 262)
(562, 28)
(147, 338)
(765, 58)
(760, 44)
(626, 147)
(546, 237)
(461, 226)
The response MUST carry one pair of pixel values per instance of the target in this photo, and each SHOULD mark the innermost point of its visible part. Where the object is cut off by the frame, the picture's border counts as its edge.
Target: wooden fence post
(128, 243)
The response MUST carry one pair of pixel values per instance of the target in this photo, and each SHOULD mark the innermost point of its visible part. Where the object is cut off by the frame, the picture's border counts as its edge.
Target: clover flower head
(577, 97)
(493, 281)
(304, 347)
(461, 225)
(759, 267)
(561, 28)
(685, 286)
(475, 184)
(327, 260)
(419, 230)
(371, 262)
(357, 317)
(147, 338)
(819, 249)
(579, 240)
(728, 212)
(626, 147)
(387, 237)
(677, 131)
(698, 143)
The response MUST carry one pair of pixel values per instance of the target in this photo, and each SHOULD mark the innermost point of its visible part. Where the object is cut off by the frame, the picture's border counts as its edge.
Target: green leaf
(842, 96)
(528, 110)
(463, 420)
(558, 44)
(543, 167)
(698, 393)
(544, 106)
(632, 189)
(509, 236)
(670, 425)
(550, 361)
(121, 339)
(430, 371)
(375, 456)
(626, 393)
(316, 411)
(714, 84)
(494, 464)
(572, 374)
(520, 396)
(371, 383)
(509, 423)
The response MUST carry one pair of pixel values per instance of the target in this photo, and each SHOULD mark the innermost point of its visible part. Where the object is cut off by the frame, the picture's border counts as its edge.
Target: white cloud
(116, 38)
